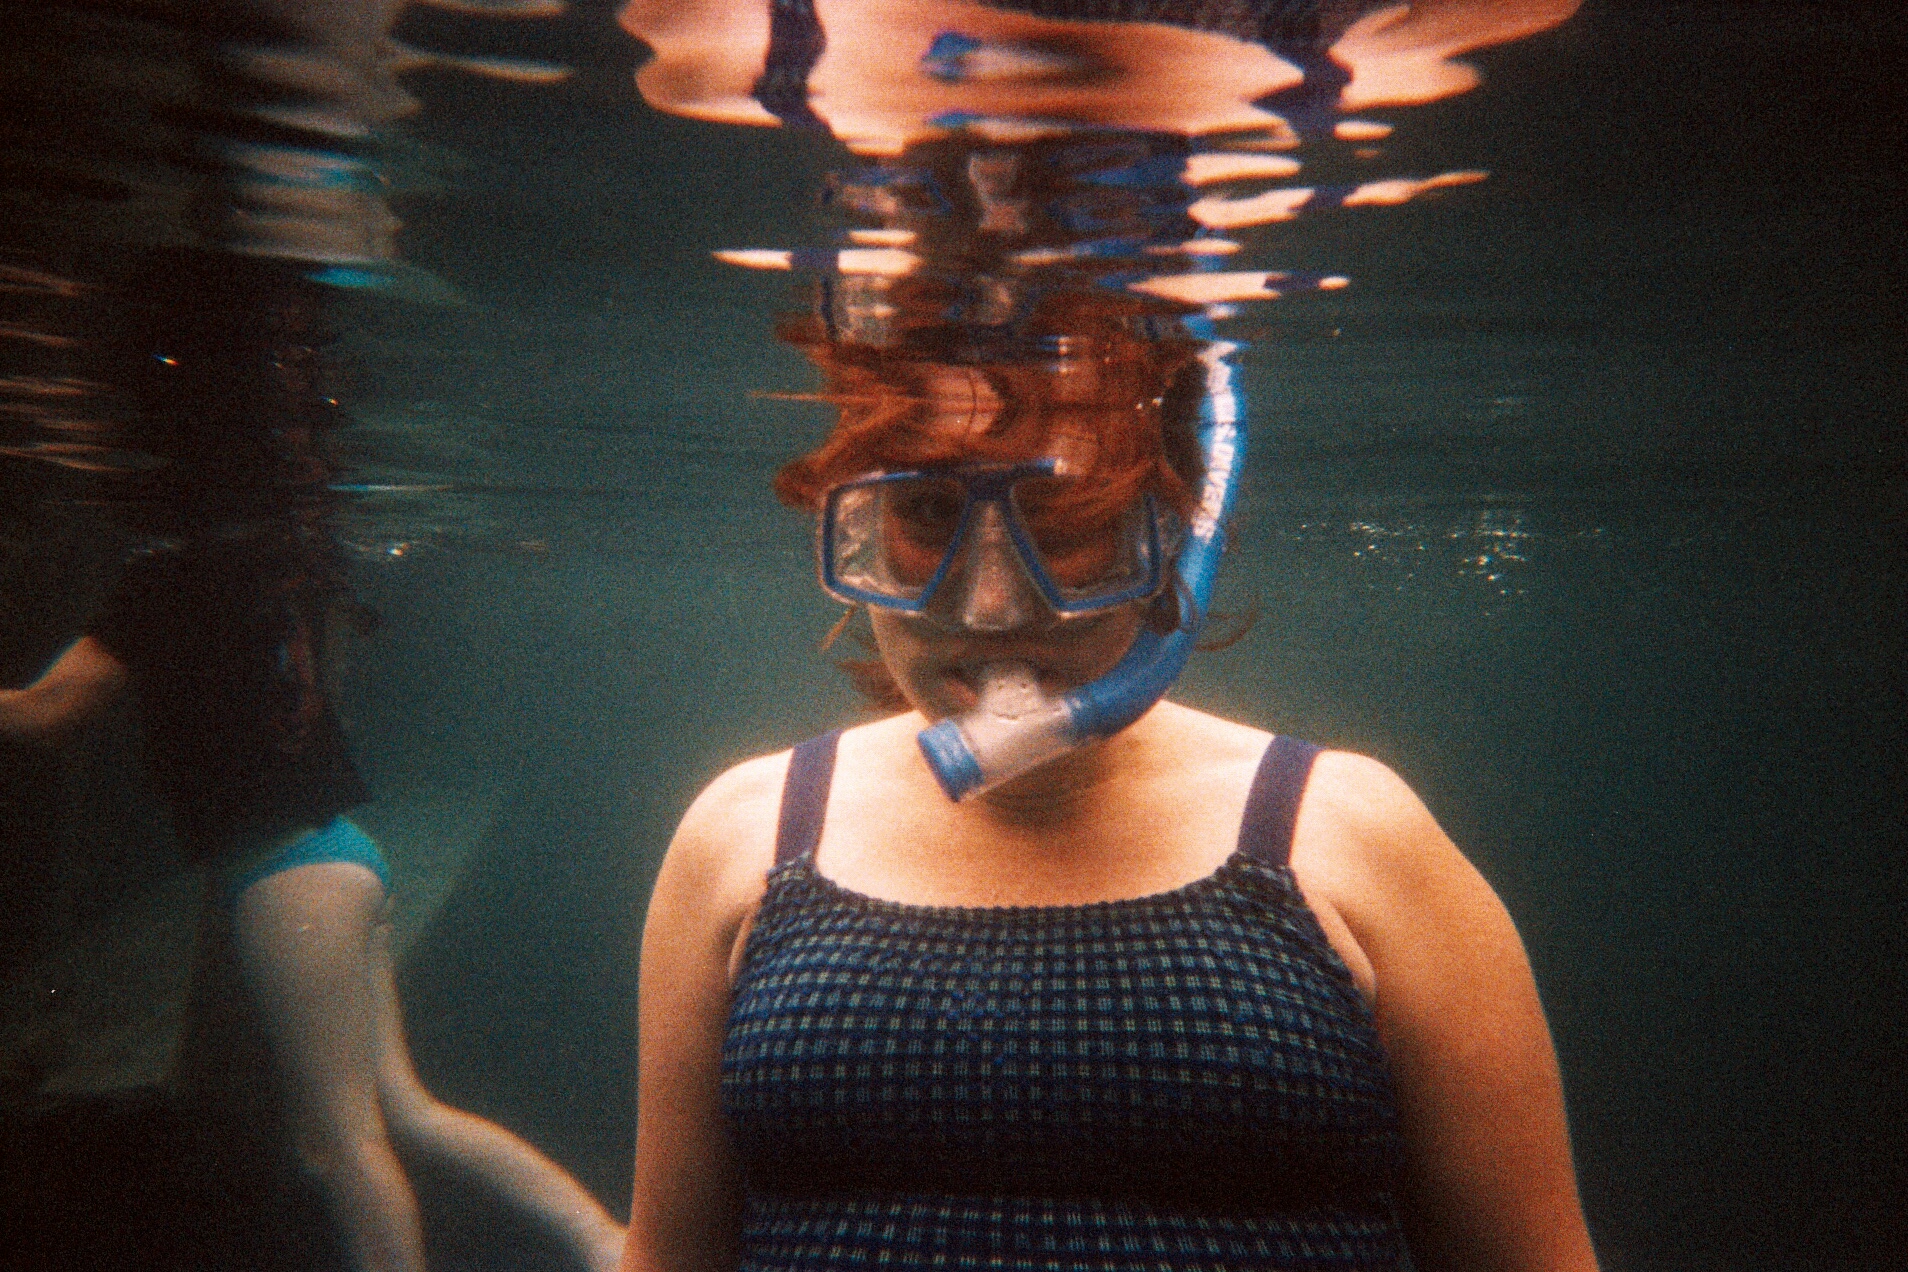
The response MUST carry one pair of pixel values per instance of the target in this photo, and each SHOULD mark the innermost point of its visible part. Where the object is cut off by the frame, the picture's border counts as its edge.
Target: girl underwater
(1188, 996)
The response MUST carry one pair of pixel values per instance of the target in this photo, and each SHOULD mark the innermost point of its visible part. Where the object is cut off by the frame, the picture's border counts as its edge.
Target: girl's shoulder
(1362, 805)
(714, 871)
(1366, 844)
(724, 847)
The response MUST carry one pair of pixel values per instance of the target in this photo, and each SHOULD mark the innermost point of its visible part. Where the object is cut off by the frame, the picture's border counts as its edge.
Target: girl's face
(989, 611)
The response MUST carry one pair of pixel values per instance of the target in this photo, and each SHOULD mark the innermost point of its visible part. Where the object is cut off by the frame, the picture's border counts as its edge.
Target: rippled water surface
(1582, 506)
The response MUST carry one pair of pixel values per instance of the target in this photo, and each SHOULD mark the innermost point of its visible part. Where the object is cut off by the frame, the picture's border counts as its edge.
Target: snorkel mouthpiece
(1016, 726)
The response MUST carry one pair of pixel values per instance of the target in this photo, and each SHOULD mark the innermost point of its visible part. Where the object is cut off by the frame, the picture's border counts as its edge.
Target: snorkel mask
(895, 540)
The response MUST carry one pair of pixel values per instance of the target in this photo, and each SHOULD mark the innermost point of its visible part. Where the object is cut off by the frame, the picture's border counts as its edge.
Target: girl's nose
(990, 588)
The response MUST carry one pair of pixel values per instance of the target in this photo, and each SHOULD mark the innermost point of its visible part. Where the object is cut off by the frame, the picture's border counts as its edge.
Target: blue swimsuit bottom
(339, 841)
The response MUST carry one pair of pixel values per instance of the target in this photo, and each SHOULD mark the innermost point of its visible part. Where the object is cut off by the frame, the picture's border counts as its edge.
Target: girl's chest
(863, 1032)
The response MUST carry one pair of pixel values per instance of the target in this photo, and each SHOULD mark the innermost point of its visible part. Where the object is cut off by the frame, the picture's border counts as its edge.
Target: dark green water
(1583, 508)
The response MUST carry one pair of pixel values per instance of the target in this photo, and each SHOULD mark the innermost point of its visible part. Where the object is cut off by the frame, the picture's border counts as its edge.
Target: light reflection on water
(1490, 549)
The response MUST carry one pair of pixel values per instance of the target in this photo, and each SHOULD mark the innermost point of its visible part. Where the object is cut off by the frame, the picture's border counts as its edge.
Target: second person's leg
(304, 939)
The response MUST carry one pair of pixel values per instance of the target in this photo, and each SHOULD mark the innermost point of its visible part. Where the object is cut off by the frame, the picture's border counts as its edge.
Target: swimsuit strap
(811, 770)
(1271, 811)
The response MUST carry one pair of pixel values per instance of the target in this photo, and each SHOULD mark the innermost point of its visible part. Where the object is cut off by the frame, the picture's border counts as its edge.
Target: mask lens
(1089, 549)
(890, 537)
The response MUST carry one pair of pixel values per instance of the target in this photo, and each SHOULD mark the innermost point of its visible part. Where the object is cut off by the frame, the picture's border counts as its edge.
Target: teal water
(1583, 508)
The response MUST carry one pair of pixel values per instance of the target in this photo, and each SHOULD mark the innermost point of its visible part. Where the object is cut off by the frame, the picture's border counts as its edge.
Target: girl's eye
(927, 509)
(1081, 564)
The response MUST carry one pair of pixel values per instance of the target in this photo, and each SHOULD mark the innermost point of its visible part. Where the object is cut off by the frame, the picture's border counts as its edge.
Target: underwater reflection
(883, 78)
(1019, 150)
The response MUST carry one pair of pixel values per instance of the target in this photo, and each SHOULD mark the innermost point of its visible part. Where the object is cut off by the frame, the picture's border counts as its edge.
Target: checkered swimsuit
(1183, 1081)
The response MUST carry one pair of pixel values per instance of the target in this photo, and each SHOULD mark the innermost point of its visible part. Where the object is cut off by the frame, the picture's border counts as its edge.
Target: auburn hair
(1121, 409)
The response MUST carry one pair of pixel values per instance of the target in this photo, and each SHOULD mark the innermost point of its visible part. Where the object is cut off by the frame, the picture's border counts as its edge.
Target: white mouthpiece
(1010, 690)
(1013, 728)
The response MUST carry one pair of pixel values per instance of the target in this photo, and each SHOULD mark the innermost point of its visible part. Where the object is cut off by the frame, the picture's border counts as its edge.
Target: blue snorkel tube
(1016, 726)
